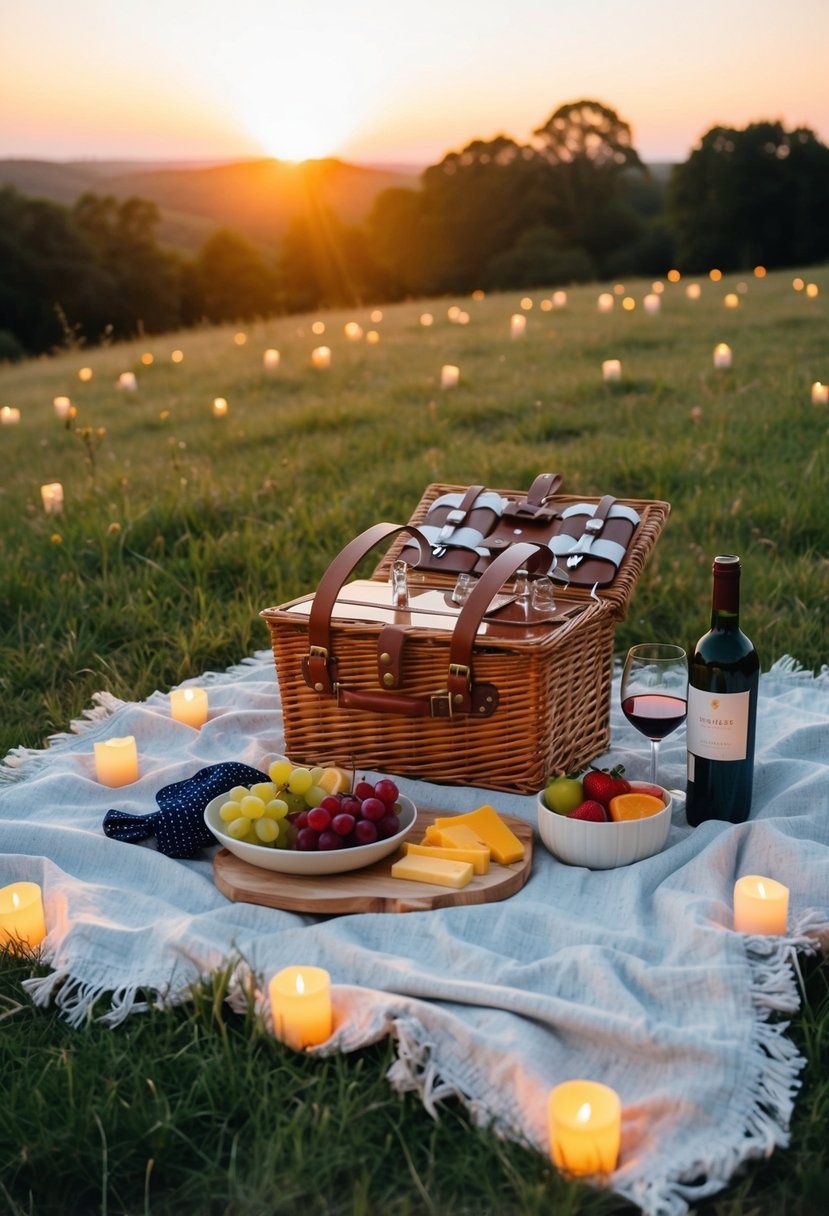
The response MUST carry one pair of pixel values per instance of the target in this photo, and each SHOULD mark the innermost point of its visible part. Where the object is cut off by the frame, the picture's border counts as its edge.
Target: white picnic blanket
(632, 977)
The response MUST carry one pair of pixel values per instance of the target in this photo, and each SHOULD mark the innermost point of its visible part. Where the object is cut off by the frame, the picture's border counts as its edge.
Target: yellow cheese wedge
(433, 869)
(478, 856)
(489, 827)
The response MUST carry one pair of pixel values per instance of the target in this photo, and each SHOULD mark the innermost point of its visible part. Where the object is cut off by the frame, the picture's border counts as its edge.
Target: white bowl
(295, 861)
(603, 846)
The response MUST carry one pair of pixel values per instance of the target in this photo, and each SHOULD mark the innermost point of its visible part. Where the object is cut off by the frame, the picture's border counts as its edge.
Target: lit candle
(652, 304)
(426, 319)
(219, 407)
(761, 905)
(449, 375)
(21, 914)
(820, 393)
(722, 355)
(128, 382)
(612, 369)
(693, 291)
(62, 406)
(116, 761)
(271, 360)
(517, 325)
(9, 415)
(85, 374)
(52, 496)
(321, 356)
(353, 331)
(585, 1127)
(301, 1006)
(372, 337)
(732, 300)
(559, 299)
(605, 302)
(189, 705)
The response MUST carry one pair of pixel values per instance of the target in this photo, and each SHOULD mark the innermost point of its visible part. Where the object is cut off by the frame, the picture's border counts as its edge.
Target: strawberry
(589, 809)
(601, 786)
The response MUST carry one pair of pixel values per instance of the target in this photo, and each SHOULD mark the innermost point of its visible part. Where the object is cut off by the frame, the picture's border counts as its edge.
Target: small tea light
(820, 393)
(526, 303)
(240, 339)
(426, 319)
(21, 914)
(177, 356)
(652, 304)
(116, 761)
(715, 275)
(657, 287)
(546, 305)
(148, 359)
(219, 407)
(376, 316)
(85, 375)
(612, 369)
(127, 382)
(463, 317)
(761, 905)
(732, 300)
(585, 1124)
(189, 705)
(52, 498)
(559, 299)
(693, 291)
(453, 312)
(812, 291)
(321, 356)
(673, 276)
(318, 328)
(270, 359)
(353, 331)
(62, 406)
(449, 375)
(372, 336)
(605, 302)
(9, 415)
(517, 325)
(722, 355)
(300, 1000)
(478, 295)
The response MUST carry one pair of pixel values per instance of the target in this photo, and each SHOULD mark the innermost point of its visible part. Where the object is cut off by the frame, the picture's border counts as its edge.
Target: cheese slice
(489, 827)
(478, 856)
(433, 869)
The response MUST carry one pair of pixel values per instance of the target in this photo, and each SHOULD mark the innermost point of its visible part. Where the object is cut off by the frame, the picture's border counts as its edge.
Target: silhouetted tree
(754, 196)
(324, 263)
(229, 281)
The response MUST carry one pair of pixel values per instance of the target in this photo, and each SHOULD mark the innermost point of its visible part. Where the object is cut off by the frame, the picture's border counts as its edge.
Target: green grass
(180, 527)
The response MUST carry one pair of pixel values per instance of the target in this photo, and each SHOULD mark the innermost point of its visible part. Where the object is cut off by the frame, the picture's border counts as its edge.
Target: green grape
(237, 793)
(266, 830)
(296, 802)
(229, 810)
(239, 828)
(299, 781)
(316, 773)
(314, 796)
(252, 808)
(287, 835)
(280, 771)
(264, 790)
(276, 809)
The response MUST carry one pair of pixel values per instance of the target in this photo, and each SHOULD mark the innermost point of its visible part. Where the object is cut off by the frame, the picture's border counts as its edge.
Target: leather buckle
(460, 669)
(440, 704)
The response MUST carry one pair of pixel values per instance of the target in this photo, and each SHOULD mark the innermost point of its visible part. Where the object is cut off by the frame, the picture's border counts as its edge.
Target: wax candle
(9, 415)
(426, 319)
(693, 291)
(321, 356)
(605, 302)
(271, 360)
(612, 369)
(517, 325)
(62, 406)
(52, 498)
(353, 331)
(559, 299)
(820, 393)
(761, 905)
(652, 304)
(189, 705)
(301, 1006)
(85, 374)
(21, 914)
(128, 382)
(449, 375)
(732, 300)
(116, 761)
(372, 337)
(219, 407)
(585, 1120)
(722, 355)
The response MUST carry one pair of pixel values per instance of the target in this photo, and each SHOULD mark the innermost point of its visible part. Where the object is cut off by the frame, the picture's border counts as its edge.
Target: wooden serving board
(372, 889)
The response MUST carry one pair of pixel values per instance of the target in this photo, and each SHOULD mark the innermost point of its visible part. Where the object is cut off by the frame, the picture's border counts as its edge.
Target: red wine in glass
(654, 692)
(655, 715)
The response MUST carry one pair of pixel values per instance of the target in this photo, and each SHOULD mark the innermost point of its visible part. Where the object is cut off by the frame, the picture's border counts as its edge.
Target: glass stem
(654, 755)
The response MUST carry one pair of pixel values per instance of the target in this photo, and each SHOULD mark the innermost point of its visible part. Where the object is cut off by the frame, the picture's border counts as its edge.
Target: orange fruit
(634, 806)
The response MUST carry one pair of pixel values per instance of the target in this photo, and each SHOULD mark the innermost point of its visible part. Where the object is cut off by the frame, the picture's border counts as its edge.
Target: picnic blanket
(633, 977)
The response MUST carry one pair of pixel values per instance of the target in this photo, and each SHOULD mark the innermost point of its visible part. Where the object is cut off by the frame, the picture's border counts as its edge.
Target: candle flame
(188, 694)
(300, 985)
(584, 1112)
(15, 899)
(761, 891)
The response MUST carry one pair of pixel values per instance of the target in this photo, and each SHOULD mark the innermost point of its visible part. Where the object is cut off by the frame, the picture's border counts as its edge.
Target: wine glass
(654, 692)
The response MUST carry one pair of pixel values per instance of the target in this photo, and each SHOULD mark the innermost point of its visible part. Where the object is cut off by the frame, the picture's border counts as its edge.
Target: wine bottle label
(717, 724)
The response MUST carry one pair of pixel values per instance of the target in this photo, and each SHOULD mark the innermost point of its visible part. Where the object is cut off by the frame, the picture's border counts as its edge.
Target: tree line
(577, 204)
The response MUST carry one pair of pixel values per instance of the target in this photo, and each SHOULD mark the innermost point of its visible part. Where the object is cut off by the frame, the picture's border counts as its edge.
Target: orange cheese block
(433, 869)
(489, 827)
(478, 856)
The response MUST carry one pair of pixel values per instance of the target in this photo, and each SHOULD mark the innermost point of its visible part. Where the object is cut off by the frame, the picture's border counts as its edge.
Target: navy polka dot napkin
(178, 825)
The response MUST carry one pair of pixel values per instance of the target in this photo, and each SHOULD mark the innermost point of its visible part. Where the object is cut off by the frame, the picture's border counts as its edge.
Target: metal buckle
(594, 525)
(460, 669)
(440, 698)
(318, 652)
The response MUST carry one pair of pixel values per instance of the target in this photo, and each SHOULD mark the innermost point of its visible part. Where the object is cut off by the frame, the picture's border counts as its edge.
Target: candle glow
(517, 325)
(52, 498)
(9, 415)
(21, 914)
(761, 905)
(722, 355)
(300, 1000)
(321, 356)
(219, 407)
(612, 369)
(271, 360)
(449, 375)
(189, 705)
(585, 1124)
(820, 393)
(116, 761)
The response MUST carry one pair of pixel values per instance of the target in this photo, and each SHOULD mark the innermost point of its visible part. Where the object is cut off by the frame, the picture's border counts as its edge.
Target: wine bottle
(723, 681)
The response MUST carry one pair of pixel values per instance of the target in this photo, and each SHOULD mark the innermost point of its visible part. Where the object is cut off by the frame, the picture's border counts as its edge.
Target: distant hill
(257, 198)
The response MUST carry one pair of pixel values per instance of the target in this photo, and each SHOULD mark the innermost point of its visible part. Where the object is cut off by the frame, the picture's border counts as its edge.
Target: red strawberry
(602, 786)
(589, 809)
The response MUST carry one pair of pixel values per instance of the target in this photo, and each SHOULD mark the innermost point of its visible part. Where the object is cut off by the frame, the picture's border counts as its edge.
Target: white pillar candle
(116, 761)
(449, 375)
(219, 407)
(9, 415)
(189, 705)
(52, 498)
(426, 319)
(559, 299)
(353, 331)
(300, 1000)
(722, 355)
(652, 304)
(21, 914)
(517, 325)
(605, 302)
(271, 360)
(321, 356)
(820, 393)
(761, 905)
(128, 382)
(693, 291)
(612, 369)
(62, 406)
(585, 1127)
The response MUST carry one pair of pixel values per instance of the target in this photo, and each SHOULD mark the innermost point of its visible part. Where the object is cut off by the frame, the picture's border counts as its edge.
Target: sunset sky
(388, 81)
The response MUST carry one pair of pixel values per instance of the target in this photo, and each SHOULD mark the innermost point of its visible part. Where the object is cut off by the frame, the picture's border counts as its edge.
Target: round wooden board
(372, 889)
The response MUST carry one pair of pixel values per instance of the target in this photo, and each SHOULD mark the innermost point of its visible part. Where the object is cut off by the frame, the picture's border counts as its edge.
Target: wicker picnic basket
(488, 692)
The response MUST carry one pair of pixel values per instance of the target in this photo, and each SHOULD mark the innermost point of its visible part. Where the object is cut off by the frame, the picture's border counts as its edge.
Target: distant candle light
(62, 406)
(517, 325)
(9, 415)
(693, 291)
(127, 382)
(449, 375)
(270, 360)
(612, 369)
(219, 407)
(52, 498)
(85, 374)
(426, 319)
(820, 393)
(605, 302)
(321, 357)
(722, 355)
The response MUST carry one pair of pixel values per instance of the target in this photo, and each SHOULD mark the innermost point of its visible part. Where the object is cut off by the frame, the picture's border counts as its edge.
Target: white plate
(294, 861)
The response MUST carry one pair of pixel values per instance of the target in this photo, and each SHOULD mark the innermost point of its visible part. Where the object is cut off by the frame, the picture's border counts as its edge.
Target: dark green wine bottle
(723, 681)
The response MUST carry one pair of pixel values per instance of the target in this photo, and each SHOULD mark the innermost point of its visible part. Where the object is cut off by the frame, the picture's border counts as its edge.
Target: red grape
(387, 791)
(331, 803)
(388, 826)
(343, 824)
(307, 840)
(363, 789)
(373, 808)
(330, 840)
(365, 831)
(319, 819)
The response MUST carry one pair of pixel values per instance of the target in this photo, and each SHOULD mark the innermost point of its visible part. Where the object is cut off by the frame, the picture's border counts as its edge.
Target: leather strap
(535, 505)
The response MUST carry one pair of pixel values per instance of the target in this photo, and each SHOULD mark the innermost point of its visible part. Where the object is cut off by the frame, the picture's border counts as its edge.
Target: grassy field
(179, 527)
